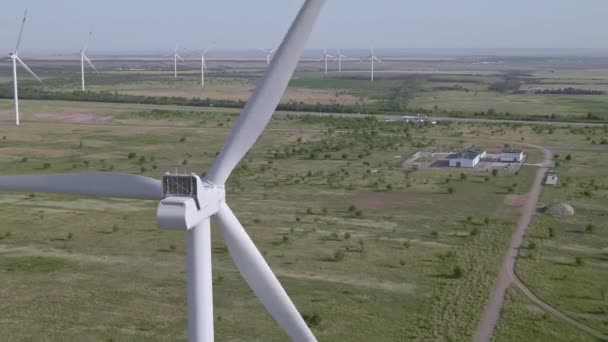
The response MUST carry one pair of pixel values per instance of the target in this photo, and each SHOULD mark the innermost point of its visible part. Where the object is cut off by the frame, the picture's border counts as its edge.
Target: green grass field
(566, 261)
(401, 265)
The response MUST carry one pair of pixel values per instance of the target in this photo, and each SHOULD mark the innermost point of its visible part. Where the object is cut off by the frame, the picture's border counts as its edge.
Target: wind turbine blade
(179, 57)
(205, 51)
(20, 32)
(94, 183)
(378, 59)
(260, 107)
(260, 278)
(29, 70)
(90, 63)
(86, 44)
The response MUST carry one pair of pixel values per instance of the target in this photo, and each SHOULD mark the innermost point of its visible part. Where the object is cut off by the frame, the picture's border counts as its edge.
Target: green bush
(457, 272)
(312, 320)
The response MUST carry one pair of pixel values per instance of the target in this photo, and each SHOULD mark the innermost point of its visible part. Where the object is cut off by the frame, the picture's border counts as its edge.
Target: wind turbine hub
(187, 201)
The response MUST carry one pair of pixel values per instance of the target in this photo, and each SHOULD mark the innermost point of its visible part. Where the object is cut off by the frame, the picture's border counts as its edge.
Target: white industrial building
(469, 157)
(511, 155)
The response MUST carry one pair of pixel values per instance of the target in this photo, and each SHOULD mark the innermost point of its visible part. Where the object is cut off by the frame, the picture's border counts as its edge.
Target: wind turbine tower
(83, 58)
(203, 66)
(373, 59)
(15, 57)
(326, 56)
(268, 53)
(176, 56)
(340, 57)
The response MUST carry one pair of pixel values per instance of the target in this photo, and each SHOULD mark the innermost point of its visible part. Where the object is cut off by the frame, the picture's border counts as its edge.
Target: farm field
(351, 236)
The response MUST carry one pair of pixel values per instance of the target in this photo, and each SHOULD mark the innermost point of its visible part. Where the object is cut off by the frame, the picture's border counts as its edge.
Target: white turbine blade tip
(20, 32)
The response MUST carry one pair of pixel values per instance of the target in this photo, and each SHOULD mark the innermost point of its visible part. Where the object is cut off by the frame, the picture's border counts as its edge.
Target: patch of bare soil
(74, 117)
(381, 200)
(515, 200)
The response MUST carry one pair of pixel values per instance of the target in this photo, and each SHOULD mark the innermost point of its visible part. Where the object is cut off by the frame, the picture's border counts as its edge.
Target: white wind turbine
(187, 202)
(372, 58)
(203, 66)
(176, 56)
(83, 58)
(340, 57)
(325, 57)
(15, 57)
(268, 53)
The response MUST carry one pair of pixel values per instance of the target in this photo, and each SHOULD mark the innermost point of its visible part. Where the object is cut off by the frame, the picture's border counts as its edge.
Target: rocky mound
(561, 209)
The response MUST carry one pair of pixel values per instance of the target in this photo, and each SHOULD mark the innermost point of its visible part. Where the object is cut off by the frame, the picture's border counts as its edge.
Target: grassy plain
(394, 267)
(565, 261)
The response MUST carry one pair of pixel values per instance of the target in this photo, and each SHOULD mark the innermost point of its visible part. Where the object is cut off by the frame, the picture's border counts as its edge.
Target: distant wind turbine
(372, 58)
(15, 57)
(176, 56)
(268, 53)
(83, 58)
(326, 56)
(340, 57)
(203, 66)
(203, 53)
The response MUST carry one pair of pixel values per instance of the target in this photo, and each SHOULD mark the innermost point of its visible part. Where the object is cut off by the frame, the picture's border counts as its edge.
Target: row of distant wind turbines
(325, 57)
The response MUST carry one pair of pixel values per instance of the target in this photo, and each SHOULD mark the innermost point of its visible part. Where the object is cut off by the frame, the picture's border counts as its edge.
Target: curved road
(507, 275)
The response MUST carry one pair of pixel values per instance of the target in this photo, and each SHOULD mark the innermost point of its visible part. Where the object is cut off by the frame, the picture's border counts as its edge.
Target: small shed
(551, 178)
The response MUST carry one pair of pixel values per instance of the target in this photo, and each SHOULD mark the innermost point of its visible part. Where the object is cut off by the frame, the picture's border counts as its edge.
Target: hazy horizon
(63, 26)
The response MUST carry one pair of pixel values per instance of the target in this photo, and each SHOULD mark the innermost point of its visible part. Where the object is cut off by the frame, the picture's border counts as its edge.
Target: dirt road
(507, 275)
(485, 329)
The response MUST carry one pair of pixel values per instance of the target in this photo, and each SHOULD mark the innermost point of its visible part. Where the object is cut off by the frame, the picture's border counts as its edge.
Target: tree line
(569, 91)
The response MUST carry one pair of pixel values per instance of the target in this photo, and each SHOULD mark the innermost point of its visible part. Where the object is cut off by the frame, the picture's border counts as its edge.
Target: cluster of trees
(508, 85)
(570, 91)
(394, 105)
(457, 87)
(454, 80)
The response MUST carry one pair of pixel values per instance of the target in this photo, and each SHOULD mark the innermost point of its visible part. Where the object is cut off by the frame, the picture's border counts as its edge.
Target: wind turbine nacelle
(178, 213)
(187, 201)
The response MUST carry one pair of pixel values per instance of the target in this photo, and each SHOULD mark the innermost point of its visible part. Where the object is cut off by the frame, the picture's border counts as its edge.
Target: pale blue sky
(62, 25)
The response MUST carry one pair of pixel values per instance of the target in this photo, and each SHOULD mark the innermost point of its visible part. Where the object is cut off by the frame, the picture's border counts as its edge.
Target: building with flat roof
(551, 178)
(511, 155)
(468, 157)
